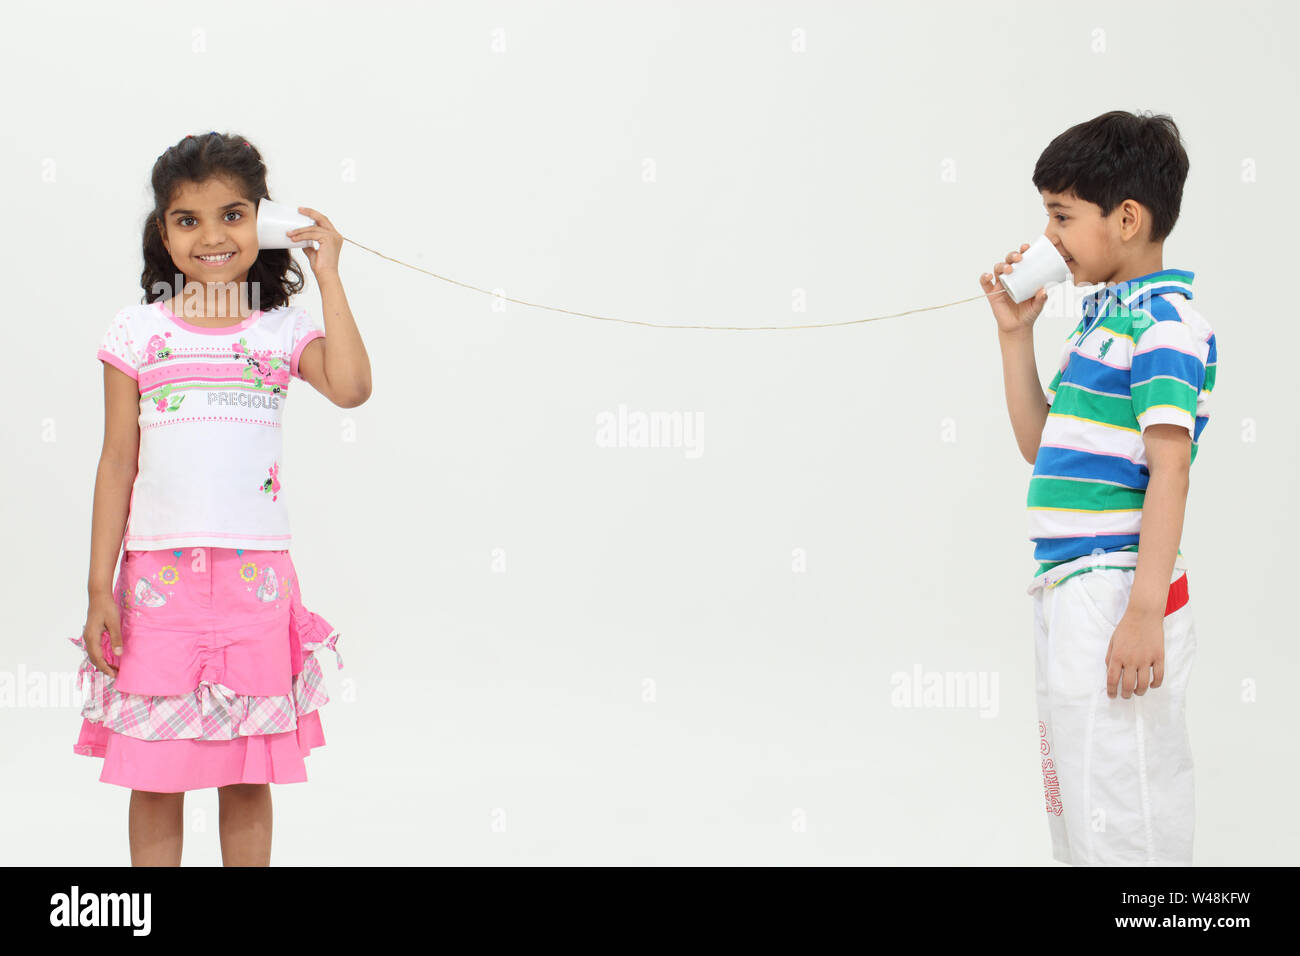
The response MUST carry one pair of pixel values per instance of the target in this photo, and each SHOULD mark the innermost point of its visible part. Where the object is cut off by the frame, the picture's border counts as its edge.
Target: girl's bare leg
(245, 821)
(156, 827)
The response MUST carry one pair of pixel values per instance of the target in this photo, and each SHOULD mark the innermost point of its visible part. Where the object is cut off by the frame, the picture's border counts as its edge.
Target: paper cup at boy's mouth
(275, 220)
(1040, 265)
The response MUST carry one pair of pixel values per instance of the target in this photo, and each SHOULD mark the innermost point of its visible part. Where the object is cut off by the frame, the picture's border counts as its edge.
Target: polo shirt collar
(1128, 293)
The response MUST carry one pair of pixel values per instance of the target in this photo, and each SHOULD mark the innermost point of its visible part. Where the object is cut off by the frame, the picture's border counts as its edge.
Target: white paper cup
(275, 220)
(1040, 265)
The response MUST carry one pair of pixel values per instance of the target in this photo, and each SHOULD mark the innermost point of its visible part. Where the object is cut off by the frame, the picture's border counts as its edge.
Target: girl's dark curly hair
(195, 159)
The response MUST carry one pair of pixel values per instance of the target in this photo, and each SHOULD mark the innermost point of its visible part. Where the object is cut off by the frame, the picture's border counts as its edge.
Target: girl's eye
(1061, 218)
(233, 212)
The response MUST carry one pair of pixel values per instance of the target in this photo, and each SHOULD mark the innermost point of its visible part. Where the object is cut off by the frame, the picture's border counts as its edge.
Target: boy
(1112, 443)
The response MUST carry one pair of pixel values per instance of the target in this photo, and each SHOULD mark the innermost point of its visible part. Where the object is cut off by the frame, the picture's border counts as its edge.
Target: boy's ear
(1135, 219)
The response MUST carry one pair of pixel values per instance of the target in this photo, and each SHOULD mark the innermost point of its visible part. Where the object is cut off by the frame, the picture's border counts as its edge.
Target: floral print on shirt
(264, 369)
(157, 349)
(272, 484)
(164, 401)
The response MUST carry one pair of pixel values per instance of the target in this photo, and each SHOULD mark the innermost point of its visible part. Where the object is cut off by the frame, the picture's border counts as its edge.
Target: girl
(201, 655)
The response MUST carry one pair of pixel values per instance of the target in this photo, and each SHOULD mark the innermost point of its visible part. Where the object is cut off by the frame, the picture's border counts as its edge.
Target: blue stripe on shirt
(1073, 463)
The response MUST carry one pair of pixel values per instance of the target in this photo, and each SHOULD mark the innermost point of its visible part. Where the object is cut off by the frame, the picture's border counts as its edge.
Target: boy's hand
(1011, 316)
(1136, 649)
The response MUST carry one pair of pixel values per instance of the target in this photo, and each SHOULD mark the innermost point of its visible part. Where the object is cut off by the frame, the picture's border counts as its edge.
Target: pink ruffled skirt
(218, 681)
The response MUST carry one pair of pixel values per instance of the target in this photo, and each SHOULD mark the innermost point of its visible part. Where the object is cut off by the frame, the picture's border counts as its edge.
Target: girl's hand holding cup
(326, 258)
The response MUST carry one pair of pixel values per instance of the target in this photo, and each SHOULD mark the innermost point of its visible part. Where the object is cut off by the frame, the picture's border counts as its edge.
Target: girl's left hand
(326, 258)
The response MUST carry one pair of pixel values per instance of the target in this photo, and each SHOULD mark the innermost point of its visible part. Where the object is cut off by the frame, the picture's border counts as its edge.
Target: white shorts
(1117, 774)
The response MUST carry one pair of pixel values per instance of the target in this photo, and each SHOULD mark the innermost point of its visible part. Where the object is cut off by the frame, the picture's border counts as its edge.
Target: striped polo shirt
(1140, 356)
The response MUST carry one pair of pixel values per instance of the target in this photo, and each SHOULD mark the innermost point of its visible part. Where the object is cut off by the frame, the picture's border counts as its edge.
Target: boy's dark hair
(274, 274)
(1117, 156)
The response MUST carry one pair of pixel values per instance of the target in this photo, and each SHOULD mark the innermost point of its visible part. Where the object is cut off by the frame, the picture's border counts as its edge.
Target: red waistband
(1177, 595)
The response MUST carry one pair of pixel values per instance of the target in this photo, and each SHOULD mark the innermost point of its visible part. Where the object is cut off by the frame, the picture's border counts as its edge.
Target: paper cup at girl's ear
(1040, 265)
(274, 222)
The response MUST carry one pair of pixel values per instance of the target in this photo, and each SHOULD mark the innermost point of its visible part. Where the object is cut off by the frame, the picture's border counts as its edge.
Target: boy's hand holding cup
(1016, 288)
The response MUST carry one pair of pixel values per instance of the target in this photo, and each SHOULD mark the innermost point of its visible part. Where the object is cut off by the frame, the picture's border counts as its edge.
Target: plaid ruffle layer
(212, 711)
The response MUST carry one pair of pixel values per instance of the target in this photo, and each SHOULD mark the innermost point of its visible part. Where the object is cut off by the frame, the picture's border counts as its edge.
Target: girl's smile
(215, 260)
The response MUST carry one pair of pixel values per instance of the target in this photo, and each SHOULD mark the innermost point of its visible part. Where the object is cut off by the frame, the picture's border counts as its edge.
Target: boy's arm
(1166, 377)
(1169, 461)
(1135, 659)
(1026, 403)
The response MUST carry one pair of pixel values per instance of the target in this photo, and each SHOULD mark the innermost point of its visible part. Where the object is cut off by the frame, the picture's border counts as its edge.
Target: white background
(502, 717)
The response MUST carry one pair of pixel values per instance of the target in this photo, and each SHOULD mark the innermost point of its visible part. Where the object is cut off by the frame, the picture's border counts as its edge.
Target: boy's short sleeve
(1167, 375)
(118, 346)
(303, 332)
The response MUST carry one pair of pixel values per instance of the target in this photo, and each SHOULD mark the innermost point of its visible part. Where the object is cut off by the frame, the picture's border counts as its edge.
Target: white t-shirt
(211, 470)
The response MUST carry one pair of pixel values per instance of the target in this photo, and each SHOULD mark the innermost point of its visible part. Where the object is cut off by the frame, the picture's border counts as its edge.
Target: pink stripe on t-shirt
(165, 374)
(209, 534)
